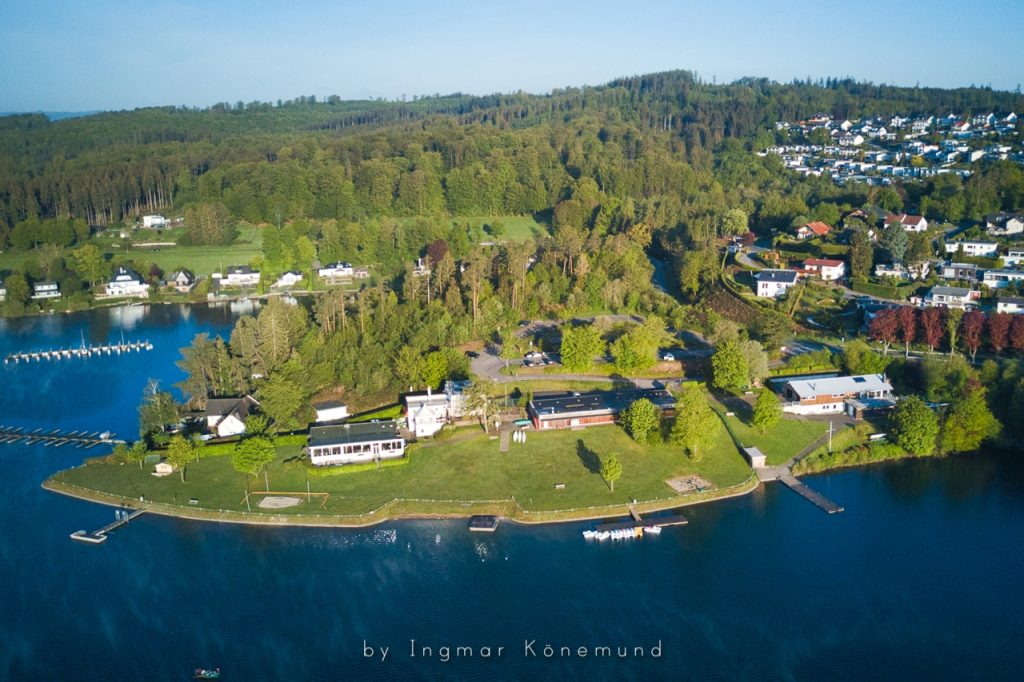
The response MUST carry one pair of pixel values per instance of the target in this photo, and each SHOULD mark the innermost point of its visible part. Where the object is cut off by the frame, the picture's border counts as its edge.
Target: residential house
(240, 276)
(830, 395)
(903, 270)
(44, 290)
(910, 223)
(826, 269)
(1004, 224)
(182, 281)
(1000, 279)
(361, 272)
(975, 249)
(427, 413)
(967, 272)
(336, 271)
(1013, 257)
(1011, 305)
(226, 416)
(813, 229)
(126, 282)
(288, 279)
(352, 443)
(422, 268)
(773, 283)
(154, 222)
(572, 410)
(330, 411)
(952, 297)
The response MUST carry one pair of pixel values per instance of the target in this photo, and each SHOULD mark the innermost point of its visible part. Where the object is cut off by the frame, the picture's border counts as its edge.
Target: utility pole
(830, 437)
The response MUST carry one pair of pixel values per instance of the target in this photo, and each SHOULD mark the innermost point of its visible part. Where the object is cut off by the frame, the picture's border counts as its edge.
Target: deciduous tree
(696, 425)
(999, 331)
(767, 411)
(968, 423)
(931, 327)
(611, 470)
(642, 420)
(971, 329)
(729, 368)
(885, 327)
(915, 426)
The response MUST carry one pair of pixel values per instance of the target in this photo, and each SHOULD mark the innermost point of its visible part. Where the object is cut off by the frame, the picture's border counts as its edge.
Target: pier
(100, 536)
(640, 522)
(56, 438)
(815, 498)
(82, 351)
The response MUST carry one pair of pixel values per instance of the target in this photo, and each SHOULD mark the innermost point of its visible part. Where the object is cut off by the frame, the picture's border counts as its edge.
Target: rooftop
(951, 291)
(787, 276)
(811, 388)
(364, 432)
(598, 402)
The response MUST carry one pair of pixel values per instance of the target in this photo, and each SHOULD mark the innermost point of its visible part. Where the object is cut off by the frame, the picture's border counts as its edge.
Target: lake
(918, 578)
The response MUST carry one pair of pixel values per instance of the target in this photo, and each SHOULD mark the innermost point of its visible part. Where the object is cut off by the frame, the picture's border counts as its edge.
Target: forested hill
(647, 138)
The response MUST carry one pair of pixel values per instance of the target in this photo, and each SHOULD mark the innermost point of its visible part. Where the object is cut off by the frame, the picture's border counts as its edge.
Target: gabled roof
(782, 276)
(122, 273)
(813, 388)
(223, 408)
(822, 262)
(819, 228)
(956, 292)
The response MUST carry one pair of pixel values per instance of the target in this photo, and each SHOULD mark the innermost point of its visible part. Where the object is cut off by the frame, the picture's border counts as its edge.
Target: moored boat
(207, 673)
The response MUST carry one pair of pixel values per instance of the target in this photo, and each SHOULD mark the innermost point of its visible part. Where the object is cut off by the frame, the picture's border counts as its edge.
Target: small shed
(756, 457)
(329, 411)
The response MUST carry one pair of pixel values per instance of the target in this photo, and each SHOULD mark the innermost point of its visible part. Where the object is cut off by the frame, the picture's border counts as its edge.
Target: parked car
(668, 357)
(472, 354)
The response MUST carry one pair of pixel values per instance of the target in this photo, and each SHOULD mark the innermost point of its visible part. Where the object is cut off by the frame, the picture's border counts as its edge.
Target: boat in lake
(207, 674)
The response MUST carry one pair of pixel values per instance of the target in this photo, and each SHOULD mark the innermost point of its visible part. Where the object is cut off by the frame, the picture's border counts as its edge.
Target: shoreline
(508, 510)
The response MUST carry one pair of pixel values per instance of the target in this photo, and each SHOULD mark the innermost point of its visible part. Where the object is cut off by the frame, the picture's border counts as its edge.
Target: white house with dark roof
(330, 411)
(959, 271)
(226, 416)
(127, 283)
(336, 271)
(354, 443)
(975, 249)
(1000, 279)
(1011, 305)
(427, 413)
(44, 290)
(1004, 224)
(773, 283)
(1013, 257)
(182, 281)
(952, 297)
(829, 395)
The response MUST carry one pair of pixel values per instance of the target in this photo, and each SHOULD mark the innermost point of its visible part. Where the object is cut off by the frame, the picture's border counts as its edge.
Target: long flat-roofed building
(829, 395)
(569, 410)
(350, 443)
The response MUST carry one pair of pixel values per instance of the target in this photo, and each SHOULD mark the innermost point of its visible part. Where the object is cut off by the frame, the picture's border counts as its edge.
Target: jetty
(97, 537)
(638, 521)
(56, 438)
(815, 498)
(483, 523)
(82, 351)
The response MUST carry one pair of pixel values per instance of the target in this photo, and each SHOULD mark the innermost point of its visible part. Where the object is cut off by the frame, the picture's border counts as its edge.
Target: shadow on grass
(588, 457)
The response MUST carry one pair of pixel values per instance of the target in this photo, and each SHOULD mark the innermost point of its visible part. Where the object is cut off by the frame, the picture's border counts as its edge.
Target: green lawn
(462, 469)
(781, 442)
(518, 228)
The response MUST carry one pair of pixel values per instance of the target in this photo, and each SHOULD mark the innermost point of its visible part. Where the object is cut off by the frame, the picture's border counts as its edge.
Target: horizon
(189, 54)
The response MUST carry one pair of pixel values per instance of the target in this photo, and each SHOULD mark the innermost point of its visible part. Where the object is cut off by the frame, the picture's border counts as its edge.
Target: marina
(56, 438)
(82, 351)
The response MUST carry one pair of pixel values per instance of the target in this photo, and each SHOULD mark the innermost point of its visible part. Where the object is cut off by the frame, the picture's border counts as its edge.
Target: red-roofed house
(826, 269)
(910, 223)
(815, 229)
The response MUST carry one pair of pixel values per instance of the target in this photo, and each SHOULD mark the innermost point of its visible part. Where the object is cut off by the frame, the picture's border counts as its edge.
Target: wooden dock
(56, 438)
(97, 537)
(82, 351)
(811, 496)
(639, 522)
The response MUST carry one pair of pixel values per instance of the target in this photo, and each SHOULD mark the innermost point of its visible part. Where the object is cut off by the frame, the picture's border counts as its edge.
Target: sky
(84, 55)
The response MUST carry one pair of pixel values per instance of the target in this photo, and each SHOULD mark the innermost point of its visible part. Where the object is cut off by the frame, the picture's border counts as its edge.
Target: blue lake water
(918, 578)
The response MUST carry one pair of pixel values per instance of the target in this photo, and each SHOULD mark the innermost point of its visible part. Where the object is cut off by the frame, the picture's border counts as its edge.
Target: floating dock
(639, 522)
(811, 496)
(97, 537)
(483, 524)
(56, 438)
(82, 351)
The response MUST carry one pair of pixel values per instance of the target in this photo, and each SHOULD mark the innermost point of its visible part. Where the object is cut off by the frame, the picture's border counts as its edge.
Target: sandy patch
(688, 484)
(278, 502)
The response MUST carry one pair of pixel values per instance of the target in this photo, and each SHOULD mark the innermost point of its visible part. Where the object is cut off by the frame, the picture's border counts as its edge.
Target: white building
(829, 395)
(773, 283)
(426, 413)
(288, 279)
(1004, 224)
(1014, 306)
(44, 290)
(903, 270)
(182, 281)
(330, 411)
(1000, 279)
(952, 297)
(353, 443)
(336, 271)
(226, 416)
(1013, 257)
(976, 249)
(154, 222)
(127, 283)
(826, 269)
(240, 276)
(959, 271)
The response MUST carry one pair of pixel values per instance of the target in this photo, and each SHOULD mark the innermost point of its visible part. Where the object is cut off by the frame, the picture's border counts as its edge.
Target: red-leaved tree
(1017, 333)
(998, 331)
(907, 317)
(971, 329)
(885, 327)
(931, 327)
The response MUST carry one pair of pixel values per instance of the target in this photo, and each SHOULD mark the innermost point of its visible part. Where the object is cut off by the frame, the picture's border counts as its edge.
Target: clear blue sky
(75, 55)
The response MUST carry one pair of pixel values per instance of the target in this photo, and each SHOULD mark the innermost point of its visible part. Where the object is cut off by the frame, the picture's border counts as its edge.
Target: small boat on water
(653, 530)
(207, 673)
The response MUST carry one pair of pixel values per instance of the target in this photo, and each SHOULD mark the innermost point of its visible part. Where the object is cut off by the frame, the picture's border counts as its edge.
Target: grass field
(779, 443)
(518, 228)
(459, 470)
